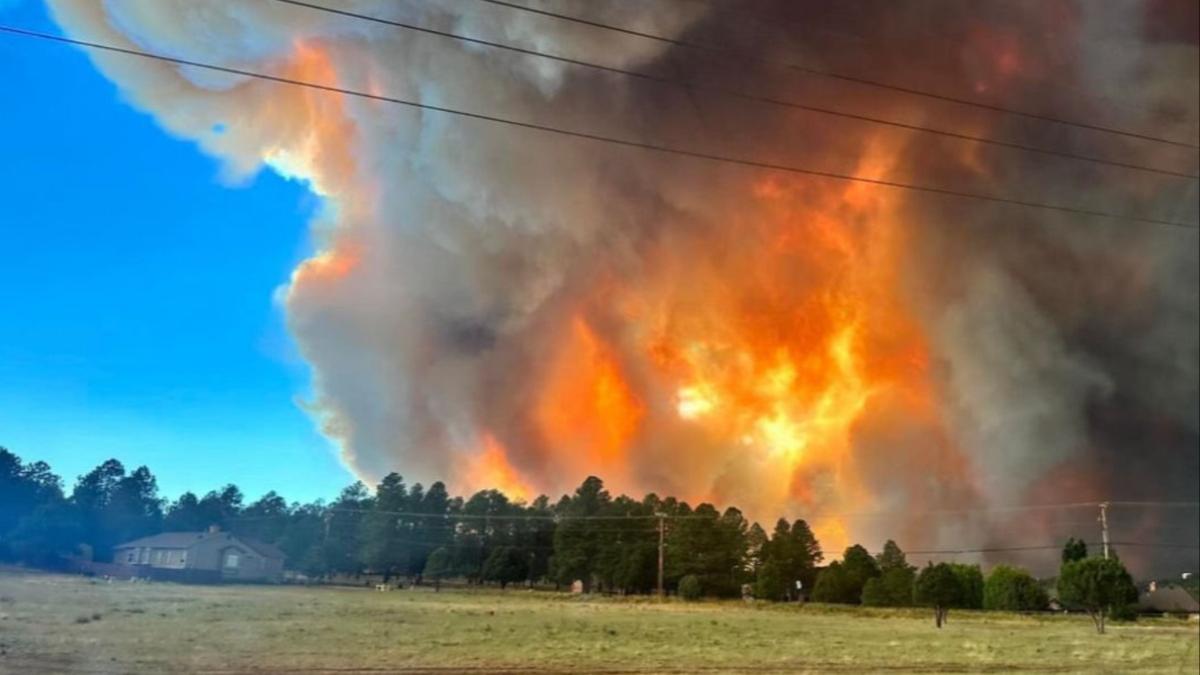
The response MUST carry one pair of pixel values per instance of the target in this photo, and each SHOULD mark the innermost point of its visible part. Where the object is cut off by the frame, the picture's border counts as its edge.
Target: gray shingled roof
(262, 548)
(1169, 599)
(166, 540)
(187, 539)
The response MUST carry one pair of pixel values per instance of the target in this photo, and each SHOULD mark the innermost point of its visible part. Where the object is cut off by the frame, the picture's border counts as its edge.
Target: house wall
(250, 565)
(169, 558)
(209, 555)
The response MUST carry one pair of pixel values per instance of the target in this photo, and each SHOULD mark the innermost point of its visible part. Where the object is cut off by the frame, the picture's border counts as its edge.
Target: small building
(213, 555)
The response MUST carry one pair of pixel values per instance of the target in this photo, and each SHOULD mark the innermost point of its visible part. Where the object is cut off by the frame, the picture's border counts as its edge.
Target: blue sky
(136, 311)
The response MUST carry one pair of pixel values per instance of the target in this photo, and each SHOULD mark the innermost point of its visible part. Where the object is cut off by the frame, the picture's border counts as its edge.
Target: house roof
(1169, 599)
(188, 539)
(262, 548)
(166, 540)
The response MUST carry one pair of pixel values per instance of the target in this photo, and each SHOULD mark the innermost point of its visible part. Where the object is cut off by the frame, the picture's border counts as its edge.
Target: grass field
(70, 624)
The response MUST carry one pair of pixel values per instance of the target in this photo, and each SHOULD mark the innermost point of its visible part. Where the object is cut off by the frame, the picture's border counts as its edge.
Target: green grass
(58, 624)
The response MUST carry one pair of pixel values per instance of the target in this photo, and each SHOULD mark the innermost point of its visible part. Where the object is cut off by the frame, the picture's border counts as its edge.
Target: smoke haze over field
(507, 308)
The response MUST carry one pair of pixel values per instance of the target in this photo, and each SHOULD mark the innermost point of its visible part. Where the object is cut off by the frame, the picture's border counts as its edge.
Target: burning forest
(504, 306)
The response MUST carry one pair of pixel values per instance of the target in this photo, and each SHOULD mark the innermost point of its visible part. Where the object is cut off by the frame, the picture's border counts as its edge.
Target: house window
(231, 559)
(131, 556)
(183, 557)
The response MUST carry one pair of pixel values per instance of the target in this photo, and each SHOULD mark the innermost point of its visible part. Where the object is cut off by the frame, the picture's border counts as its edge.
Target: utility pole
(661, 544)
(1104, 527)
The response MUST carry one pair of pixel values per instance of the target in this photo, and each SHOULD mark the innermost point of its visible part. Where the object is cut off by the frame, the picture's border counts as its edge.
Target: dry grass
(172, 628)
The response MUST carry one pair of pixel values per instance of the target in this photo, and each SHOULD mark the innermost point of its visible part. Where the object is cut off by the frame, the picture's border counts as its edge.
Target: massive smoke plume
(505, 307)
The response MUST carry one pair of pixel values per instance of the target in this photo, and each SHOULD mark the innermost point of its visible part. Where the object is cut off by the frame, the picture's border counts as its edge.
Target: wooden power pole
(662, 531)
(1104, 527)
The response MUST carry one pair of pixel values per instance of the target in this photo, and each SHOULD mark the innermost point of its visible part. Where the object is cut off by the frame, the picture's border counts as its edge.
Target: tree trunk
(937, 616)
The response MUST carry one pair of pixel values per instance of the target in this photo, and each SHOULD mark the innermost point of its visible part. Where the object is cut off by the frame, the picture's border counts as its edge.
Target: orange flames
(762, 342)
(315, 144)
(489, 469)
(772, 344)
(587, 413)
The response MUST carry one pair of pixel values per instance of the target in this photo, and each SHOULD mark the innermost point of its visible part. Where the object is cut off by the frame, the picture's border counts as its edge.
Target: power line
(688, 84)
(809, 516)
(1167, 505)
(771, 21)
(1056, 547)
(480, 516)
(664, 149)
(837, 76)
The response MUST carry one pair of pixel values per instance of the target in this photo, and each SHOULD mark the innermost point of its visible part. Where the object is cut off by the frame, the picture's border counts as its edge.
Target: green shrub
(894, 588)
(1101, 586)
(1126, 612)
(689, 588)
(770, 585)
(939, 586)
(970, 580)
(1013, 589)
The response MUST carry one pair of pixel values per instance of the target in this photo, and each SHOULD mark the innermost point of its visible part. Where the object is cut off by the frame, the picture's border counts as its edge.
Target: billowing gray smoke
(503, 306)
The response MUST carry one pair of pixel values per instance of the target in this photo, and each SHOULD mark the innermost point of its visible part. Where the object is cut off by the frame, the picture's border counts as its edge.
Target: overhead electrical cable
(933, 512)
(768, 100)
(780, 24)
(1051, 547)
(837, 76)
(664, 149)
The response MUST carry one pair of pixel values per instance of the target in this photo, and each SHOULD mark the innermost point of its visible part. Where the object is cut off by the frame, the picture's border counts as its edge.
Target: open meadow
(68, 624)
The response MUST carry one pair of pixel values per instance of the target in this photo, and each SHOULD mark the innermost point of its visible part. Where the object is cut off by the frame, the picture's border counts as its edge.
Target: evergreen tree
(577, 539)
(438, 566)
(843, 582)
(756, 544)
(772, 582)
(894, 585)
(184, 515)
(90, 497)
(266, 519)
(37, 525)
(505, 564)
(383, 550)
(794, 553)
(133, 508)
(339, 550)
(1075, 549)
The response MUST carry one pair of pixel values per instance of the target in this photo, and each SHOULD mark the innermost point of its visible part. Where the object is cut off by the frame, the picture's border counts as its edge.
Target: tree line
(608, 543)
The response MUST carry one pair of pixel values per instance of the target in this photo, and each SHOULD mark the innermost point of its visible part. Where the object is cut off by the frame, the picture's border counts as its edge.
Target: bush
(689, 588)
(893, 589)
(970, 581)
(1013, 589)
(770, 585)
(1126, 612)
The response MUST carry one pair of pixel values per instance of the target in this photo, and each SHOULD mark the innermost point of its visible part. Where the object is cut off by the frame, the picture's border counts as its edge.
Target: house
(213, 555)
(1170, 598)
